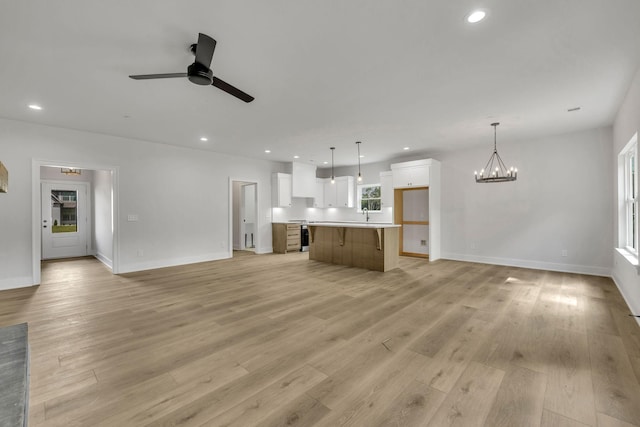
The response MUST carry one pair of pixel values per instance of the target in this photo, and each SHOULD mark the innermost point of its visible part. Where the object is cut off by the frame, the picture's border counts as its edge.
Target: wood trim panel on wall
(398, 214)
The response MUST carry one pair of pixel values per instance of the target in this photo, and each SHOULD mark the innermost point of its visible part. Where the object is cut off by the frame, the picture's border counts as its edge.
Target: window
(369, 197)
(629, 219)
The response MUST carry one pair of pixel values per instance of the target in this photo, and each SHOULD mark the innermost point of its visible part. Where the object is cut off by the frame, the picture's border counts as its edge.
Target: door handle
(44, 226)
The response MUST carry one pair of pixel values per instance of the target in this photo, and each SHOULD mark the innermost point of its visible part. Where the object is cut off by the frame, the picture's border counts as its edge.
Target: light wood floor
(276, 340)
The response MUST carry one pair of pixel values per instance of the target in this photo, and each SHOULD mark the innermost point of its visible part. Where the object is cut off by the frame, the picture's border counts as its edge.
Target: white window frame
(629, 215)
(359, 193)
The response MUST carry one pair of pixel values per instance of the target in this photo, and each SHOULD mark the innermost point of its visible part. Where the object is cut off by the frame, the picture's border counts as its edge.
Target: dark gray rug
(14, 375)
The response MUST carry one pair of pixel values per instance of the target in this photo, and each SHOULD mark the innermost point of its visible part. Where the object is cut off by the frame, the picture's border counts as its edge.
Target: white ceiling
(389, 73)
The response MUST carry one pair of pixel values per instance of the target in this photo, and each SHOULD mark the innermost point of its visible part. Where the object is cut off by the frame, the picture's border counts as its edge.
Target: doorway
(411, 210)
(66, 224)
(87, 225)
(244, 216)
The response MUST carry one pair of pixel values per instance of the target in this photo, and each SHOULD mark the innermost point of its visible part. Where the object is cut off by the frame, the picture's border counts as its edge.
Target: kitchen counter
(354, 224)
(374, 246)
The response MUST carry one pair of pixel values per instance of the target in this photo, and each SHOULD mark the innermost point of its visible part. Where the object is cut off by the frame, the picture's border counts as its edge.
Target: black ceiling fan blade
(204, 50)
(157, 76)
(231, 90)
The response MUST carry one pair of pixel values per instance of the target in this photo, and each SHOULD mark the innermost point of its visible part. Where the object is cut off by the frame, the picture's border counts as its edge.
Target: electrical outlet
(564, 252)
(140, 252)
(132, 217)
(423, 243)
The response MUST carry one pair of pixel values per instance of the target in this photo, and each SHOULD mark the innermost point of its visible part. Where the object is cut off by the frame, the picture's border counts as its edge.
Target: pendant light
(333, 177)
(359, 174)
(495, 170)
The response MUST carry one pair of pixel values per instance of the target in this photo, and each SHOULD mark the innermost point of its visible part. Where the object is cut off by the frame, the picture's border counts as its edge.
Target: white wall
(626, 124)
(561, 201)
(236, 186)
(181, 197)
(102, 207)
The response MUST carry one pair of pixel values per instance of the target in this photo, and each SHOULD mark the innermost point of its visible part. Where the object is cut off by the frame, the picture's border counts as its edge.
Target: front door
(64, 220)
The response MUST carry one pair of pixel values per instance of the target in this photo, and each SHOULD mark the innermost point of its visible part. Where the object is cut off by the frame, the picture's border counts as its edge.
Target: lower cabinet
(286, 237)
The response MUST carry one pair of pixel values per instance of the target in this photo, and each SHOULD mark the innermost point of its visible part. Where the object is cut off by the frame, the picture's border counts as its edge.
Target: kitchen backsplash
(300, 210)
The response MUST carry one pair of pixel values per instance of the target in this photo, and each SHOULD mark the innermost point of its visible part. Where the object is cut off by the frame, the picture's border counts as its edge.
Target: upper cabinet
(318, 200)
(411, 174)
(281, 190)
(303, 180)
(386, 189)
(340, 194)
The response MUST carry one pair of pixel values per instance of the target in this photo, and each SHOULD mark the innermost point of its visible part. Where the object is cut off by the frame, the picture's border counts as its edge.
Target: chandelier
(495, 170)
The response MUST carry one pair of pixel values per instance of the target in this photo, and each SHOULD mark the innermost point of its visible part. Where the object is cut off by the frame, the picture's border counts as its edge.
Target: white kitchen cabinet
(303, 180)
(318, 200)
(386, 189)
(339, 194)
(411, 174)
(281, 190)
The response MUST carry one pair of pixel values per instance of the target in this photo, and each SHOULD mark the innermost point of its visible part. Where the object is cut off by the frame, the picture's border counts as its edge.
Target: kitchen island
(373, 246)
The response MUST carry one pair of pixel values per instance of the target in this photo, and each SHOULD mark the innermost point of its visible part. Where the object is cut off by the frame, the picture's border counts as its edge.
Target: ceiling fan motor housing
(199, 74)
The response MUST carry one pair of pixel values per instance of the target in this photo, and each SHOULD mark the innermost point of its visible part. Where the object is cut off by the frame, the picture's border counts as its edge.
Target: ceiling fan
(199, 72)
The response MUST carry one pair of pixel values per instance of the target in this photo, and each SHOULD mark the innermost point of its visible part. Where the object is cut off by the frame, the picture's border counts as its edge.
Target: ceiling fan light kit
(495, 170)
(200, 71)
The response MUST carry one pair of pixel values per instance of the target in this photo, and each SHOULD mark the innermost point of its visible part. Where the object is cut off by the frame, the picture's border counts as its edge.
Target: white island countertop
(348, 224)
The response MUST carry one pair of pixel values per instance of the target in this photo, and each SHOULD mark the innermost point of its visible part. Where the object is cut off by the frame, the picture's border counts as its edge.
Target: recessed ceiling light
(296, 157)
(204, 139)
(570, 110)
(35, 107)
(267, 151)
(361, 155)
(325, 163)
(476, 16)
(405, 148)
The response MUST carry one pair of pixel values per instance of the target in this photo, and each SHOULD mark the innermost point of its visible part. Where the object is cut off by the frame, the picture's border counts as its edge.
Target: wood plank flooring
(278, 340)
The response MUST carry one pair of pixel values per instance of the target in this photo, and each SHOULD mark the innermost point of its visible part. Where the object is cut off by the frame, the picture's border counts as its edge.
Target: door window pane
(64, 211)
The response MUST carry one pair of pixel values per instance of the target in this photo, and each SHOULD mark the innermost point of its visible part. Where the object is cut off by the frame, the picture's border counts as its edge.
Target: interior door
(248, 215)
(412, 212)
(64, 220)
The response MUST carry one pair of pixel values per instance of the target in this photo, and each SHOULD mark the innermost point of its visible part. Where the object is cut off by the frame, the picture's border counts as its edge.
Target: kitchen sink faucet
(365, 212)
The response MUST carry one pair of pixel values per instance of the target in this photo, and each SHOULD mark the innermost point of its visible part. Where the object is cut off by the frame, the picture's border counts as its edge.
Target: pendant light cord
(359, 173)
(332, 174)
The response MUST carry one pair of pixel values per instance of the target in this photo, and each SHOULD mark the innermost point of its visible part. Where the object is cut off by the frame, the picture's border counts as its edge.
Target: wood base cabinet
(373, 248)
(286, 237)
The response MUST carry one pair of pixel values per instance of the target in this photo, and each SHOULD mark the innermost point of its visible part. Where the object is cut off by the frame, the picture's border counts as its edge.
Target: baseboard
(152, 265)
(536, 265)
(16, 282)
(616, 280)
(104, 259)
